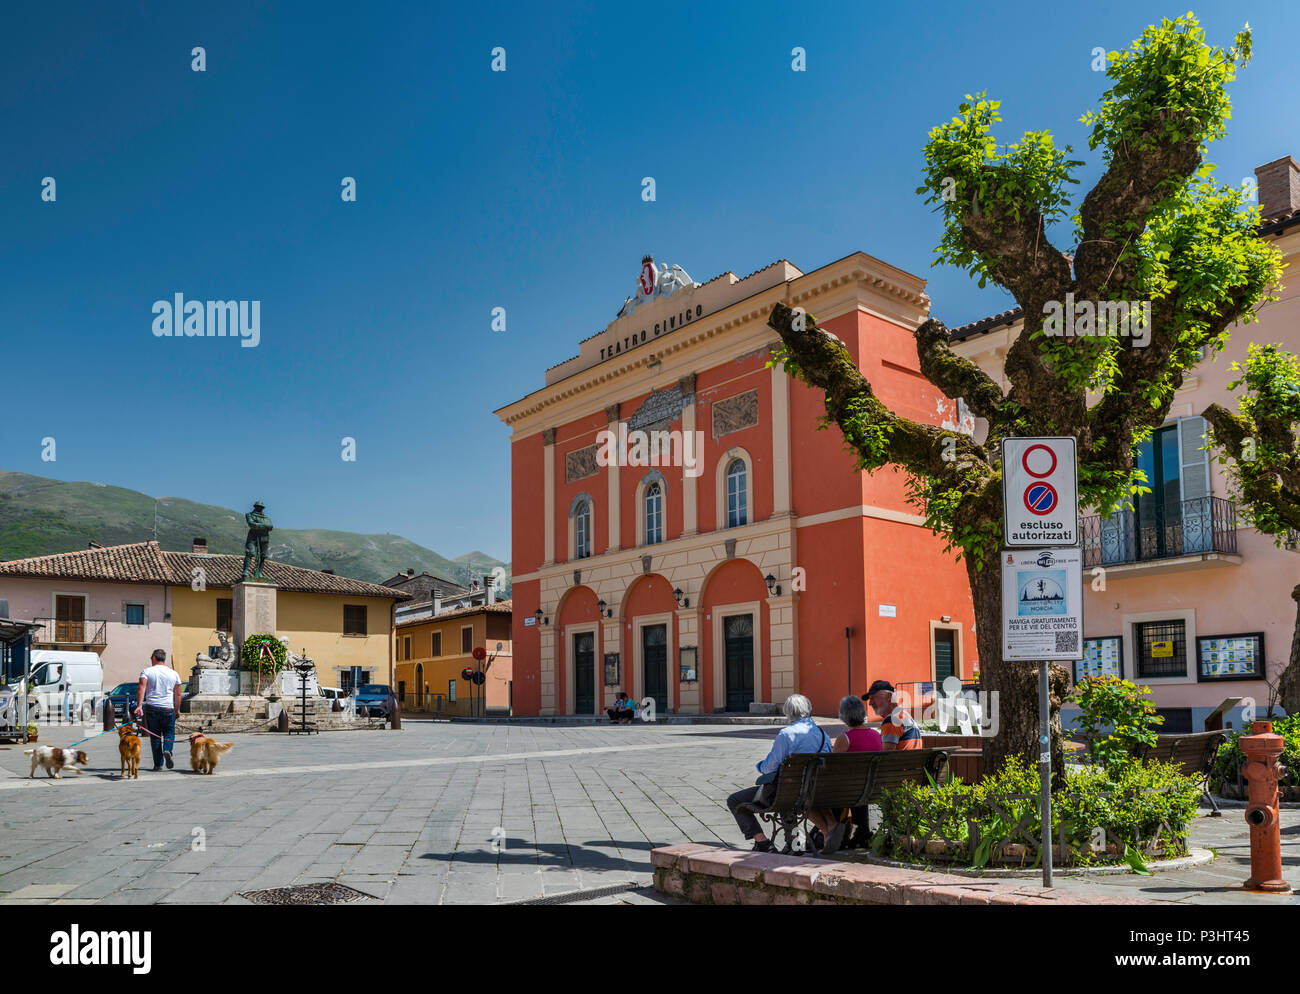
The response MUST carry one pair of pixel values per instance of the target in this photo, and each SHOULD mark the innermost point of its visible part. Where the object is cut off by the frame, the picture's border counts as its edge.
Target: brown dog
(128, 747)
(53, 760)
(205, 752)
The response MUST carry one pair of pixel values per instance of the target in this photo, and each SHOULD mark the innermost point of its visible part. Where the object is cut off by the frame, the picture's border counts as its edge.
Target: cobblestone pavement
(436, 813)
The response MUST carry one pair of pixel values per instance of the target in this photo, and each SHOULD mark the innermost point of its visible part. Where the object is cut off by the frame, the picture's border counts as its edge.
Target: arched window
(654, 514)
(737, 494)
(582, 531)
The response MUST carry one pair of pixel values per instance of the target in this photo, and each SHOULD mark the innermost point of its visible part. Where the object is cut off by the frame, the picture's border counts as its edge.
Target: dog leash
(130, 724)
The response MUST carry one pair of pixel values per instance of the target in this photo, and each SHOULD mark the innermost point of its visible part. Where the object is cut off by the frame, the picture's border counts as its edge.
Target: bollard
(394, 714)
(282, 722)
(1262, 770)
(110, 719)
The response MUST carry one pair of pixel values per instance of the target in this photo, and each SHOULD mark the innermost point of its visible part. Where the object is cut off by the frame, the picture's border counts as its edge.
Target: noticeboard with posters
(1101, 657)
(1230, 657)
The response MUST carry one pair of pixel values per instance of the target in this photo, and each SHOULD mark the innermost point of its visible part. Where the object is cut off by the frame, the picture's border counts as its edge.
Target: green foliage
(1230, 756)
(1116, 719)
(966, 174)
(1172, 75)
(1146, 808)
(251, 658)
(1269, 413)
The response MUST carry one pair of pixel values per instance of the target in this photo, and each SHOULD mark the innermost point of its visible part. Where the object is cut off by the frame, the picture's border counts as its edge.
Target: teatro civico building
(682, 530)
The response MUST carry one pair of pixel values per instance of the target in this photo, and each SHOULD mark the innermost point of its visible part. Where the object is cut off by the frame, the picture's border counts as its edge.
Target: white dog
(52, 760)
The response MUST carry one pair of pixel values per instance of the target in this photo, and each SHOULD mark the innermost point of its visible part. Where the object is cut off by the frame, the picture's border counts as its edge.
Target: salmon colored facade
(657, 564)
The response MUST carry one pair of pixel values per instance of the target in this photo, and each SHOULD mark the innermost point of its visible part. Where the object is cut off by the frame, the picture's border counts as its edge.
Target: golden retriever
(52, 760)
(128, 747)
(205, 752)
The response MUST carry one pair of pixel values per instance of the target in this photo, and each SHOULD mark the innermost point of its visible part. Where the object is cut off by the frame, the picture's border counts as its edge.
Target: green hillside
(39, 516)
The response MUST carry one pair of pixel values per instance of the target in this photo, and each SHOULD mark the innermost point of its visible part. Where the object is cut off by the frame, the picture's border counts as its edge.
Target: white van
(73, 682)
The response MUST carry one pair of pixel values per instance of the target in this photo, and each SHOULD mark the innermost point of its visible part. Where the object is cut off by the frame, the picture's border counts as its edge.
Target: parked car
(373, 697)
(69, 680)
(124, 697)
(333, 693)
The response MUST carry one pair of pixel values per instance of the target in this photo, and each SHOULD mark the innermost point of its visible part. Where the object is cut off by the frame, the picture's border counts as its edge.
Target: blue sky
(475, 190)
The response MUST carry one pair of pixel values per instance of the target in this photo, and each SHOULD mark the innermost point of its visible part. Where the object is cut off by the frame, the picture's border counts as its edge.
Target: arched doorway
(579, 647)
(735, 637)
(650, 630)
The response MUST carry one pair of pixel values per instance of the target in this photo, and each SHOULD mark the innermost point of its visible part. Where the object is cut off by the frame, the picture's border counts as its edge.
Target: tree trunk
(1288, 689)
(1012, 687)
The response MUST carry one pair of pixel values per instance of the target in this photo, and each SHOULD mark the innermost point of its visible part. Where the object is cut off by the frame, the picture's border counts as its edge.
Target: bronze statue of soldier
(255, 543)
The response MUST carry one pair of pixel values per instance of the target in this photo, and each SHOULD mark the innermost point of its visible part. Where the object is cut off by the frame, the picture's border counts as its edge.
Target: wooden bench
(809, 781)
(1193, 753)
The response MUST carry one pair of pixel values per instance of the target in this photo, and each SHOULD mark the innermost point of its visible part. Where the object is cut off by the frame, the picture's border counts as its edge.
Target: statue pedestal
(289, 685)
(252, 612)
(218, 682)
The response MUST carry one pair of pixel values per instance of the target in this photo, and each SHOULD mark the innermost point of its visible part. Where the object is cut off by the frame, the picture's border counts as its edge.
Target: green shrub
(250, 656)
(1115, 718)
(1230, 755)
(1142, 808)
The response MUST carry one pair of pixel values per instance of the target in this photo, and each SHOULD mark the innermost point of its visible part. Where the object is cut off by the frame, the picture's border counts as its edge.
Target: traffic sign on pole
(1040, 492)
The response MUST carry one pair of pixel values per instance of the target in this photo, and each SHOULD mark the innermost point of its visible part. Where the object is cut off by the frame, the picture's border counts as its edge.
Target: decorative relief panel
(580, 463)
(735, 413)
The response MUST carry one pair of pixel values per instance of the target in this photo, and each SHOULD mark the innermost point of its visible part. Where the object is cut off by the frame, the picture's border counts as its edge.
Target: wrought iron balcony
(1160, 531)
(60, 632)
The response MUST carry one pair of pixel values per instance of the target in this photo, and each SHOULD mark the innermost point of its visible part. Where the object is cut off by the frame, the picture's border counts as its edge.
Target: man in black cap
(898, 729)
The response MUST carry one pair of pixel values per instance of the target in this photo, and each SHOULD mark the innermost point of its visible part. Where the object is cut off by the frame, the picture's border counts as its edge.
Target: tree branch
(955, 375)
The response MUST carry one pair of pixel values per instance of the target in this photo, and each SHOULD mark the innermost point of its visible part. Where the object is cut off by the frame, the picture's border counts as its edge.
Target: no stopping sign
(1040, 492)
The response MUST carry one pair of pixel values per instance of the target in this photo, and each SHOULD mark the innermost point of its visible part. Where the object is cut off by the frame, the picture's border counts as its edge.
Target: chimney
(1279, 187)
(410, 571)
(437, 604)
(200, 547)
(491, 593)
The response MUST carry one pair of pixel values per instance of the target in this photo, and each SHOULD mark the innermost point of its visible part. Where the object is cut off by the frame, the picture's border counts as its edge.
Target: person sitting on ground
(898, 730)
(801, 734)
(623, 709)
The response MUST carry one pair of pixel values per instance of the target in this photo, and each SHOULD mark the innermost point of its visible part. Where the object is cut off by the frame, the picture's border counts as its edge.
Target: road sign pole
(1045, 774)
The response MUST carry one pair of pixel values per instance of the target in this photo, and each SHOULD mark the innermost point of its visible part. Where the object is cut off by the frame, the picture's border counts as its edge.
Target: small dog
(128, 747)
(205, 752)
(52, 760)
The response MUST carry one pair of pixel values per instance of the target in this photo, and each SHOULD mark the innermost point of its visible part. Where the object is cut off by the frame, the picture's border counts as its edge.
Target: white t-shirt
(163, 680)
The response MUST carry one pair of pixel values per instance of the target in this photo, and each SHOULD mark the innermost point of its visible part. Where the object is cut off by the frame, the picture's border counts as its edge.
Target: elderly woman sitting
(800, 735)
(857, 737)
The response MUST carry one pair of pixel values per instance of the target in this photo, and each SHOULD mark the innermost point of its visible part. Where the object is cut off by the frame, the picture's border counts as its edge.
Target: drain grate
(584, 895)
(306, 894)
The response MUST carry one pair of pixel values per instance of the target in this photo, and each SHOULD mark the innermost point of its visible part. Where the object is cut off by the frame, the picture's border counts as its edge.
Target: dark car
(124, 697)
(374, 698)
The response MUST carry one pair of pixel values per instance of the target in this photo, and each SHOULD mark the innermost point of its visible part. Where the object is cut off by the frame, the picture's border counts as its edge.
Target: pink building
(123, 622)
(1195, 605)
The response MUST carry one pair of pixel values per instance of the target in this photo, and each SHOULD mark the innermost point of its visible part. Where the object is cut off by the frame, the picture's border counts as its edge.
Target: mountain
(39, 516)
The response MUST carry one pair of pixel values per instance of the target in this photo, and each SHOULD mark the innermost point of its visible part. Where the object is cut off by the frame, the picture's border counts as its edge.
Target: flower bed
(1225, 778)
(1130, 814)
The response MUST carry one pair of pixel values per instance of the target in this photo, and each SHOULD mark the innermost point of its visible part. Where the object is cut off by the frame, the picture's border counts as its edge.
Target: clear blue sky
(475, 190)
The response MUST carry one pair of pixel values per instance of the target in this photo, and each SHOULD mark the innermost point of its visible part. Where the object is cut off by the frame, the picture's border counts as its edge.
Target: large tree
(1265, 470)
(1155, 229)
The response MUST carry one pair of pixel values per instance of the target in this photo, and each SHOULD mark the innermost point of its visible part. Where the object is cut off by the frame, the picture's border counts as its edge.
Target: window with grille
(1161, 648)
(654, 514)
(354, 619)
(582, 532)
(225, 614)
(737, 494)
(451, 689)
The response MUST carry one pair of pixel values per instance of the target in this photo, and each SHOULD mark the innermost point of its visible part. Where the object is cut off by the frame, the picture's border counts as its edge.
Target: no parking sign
(1040, 492)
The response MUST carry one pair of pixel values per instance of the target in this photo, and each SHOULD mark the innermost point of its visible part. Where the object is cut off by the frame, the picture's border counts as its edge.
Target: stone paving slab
(437, 813)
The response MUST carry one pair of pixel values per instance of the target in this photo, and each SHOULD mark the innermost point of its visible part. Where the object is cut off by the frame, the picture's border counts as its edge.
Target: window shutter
(1194, 485)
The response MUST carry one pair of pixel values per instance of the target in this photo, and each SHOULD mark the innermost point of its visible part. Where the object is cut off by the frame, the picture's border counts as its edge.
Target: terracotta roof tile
(145, 562)
(500, 607)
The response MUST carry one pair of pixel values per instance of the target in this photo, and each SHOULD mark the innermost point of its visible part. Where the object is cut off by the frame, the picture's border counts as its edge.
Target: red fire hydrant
(1262, 770)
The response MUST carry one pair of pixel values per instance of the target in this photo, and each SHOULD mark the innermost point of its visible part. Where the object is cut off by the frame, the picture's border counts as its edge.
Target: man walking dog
(158, 699)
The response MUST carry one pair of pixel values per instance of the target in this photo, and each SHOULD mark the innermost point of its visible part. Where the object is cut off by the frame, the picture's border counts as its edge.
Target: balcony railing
(1161, 531)
(57, 631)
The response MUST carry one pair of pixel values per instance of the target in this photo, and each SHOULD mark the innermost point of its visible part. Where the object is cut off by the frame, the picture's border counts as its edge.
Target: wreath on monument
(263, 654)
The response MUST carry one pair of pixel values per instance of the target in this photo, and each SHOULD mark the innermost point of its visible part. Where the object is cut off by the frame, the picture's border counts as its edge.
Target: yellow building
(433, 651)
(336, 621)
